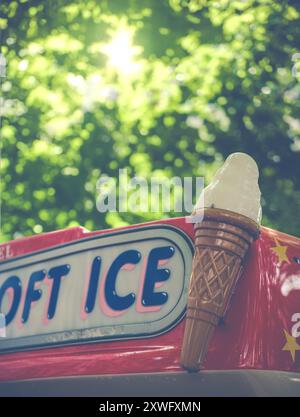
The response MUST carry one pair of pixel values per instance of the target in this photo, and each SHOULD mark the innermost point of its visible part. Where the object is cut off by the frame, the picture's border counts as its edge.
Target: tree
(166, 88)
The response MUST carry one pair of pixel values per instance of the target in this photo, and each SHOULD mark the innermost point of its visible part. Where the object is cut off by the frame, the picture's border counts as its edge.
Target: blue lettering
(15, 284)
(115, 301)
(153, 275)
(93, 285)
(56, 274)
(32, 293)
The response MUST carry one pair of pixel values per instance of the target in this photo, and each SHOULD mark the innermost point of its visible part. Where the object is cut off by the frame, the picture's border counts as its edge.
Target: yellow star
(280, 252)
(291, 345)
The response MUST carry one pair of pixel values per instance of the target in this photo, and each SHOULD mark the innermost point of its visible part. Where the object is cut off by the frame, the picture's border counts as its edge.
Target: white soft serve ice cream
(235, 188)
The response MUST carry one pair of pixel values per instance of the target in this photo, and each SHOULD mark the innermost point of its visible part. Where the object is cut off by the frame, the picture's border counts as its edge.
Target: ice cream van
(209, 307)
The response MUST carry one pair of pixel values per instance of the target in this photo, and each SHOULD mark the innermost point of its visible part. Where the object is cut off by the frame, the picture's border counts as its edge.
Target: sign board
(126, 284)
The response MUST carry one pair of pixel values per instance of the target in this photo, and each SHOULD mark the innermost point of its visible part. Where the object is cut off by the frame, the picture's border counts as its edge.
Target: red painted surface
(252, 336)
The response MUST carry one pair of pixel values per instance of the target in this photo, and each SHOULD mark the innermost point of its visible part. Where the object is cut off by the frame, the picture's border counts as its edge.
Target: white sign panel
(126, 284)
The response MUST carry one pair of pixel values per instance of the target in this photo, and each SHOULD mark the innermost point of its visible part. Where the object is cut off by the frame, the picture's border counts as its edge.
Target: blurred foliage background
(164, 88)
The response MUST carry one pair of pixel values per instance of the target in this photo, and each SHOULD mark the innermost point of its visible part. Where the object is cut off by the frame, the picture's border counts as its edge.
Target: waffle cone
(222, 240)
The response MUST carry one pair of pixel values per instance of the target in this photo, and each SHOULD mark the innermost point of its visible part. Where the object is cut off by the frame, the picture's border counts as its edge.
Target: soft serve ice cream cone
(227, 219)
